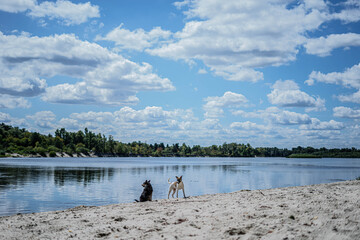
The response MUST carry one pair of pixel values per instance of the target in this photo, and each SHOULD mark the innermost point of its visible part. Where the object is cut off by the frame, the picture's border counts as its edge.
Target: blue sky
(269, 72)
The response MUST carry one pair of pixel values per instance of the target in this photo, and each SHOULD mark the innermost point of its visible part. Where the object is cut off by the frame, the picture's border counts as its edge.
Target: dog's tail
(136, 200)
(169, 181)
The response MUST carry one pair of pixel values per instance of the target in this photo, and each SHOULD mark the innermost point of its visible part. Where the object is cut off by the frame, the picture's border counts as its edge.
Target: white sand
(325, 211)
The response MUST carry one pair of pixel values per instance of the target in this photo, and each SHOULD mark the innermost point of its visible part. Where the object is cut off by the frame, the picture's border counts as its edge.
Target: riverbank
(324, 211)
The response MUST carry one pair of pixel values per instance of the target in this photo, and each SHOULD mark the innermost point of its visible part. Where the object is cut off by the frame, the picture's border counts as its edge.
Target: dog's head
(146, 183)
(179, 179)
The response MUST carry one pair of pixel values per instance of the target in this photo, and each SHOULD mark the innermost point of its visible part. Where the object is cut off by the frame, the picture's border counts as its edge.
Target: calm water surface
(46, 184)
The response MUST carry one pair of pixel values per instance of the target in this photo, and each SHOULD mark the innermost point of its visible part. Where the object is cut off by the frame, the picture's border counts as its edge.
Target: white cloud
(316, 124)
(345, 112)
(8, 119)
(70, 124)
(44, 119)
(66, 11)
(235, 37)
(83, 93)
(93, 116)
(324, 45)
(210, 124)
(7, 101)
(104, 77)
(287, 94)
(4, 117)
(347, 15)
(123, 73)
(235, 73)
(152, 114)
(288, 118)
(275, 115)
(355, 97)
(315, 4)
(15, 6)
(247, 126)
(182, 4)
(137, 39)
(349, 78)
(147, 119)
(214, 105)
(202, 71)
(19, 83)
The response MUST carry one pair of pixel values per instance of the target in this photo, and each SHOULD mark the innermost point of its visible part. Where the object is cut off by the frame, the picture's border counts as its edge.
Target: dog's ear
(149, 181)
(181, 177)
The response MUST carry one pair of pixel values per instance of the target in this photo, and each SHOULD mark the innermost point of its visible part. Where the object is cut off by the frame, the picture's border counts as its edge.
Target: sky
(272, 73)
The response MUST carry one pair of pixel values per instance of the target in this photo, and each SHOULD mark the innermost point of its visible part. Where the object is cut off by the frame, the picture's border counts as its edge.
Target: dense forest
(14, 140)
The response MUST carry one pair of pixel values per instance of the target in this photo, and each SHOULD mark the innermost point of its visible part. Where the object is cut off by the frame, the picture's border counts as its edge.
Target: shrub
(52, 154)
(82, 150)
(41, 151)
(53, 149)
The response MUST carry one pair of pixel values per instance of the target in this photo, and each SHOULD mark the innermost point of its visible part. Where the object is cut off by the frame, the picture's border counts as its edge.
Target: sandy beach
(324, 211)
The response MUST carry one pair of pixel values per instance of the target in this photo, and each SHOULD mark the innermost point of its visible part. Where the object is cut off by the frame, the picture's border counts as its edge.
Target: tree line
(14, 140)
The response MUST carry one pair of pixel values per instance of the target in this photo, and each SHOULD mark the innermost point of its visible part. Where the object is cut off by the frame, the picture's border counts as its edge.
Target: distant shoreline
(16, 142)
(323, 211)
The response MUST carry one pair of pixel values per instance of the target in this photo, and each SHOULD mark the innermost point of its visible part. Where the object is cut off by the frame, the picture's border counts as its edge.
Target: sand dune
(324, 211)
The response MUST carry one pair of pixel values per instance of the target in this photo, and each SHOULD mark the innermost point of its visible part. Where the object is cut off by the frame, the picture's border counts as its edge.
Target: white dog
(176, 186)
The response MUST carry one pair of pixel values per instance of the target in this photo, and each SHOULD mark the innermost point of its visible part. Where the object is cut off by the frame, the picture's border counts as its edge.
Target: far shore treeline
(20, 142)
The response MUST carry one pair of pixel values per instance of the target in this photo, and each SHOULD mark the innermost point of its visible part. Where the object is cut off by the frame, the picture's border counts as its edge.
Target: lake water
(46, 184)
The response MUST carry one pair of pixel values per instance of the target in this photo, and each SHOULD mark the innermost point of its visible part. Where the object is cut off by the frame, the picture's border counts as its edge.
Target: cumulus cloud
(349, 78)
(13, 102)
(152, 114)
(70, 12)
(210, 124)
(104, 77)
(44, 119)
(66, 11)
(138, 39)
(277, 116)
(93, 116)
(247, 126)
(351, 13)
(18, 83)
(287, 94)
(324, 45)
(316, 124)
(214, 105)
(5, 117)
(202, 71)
(15, 6)
(315, 4)
(8, 119)
(346, 112)
(146, 118)
(288, 118)
(70, 124)
(355, 97)
(234, 38)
